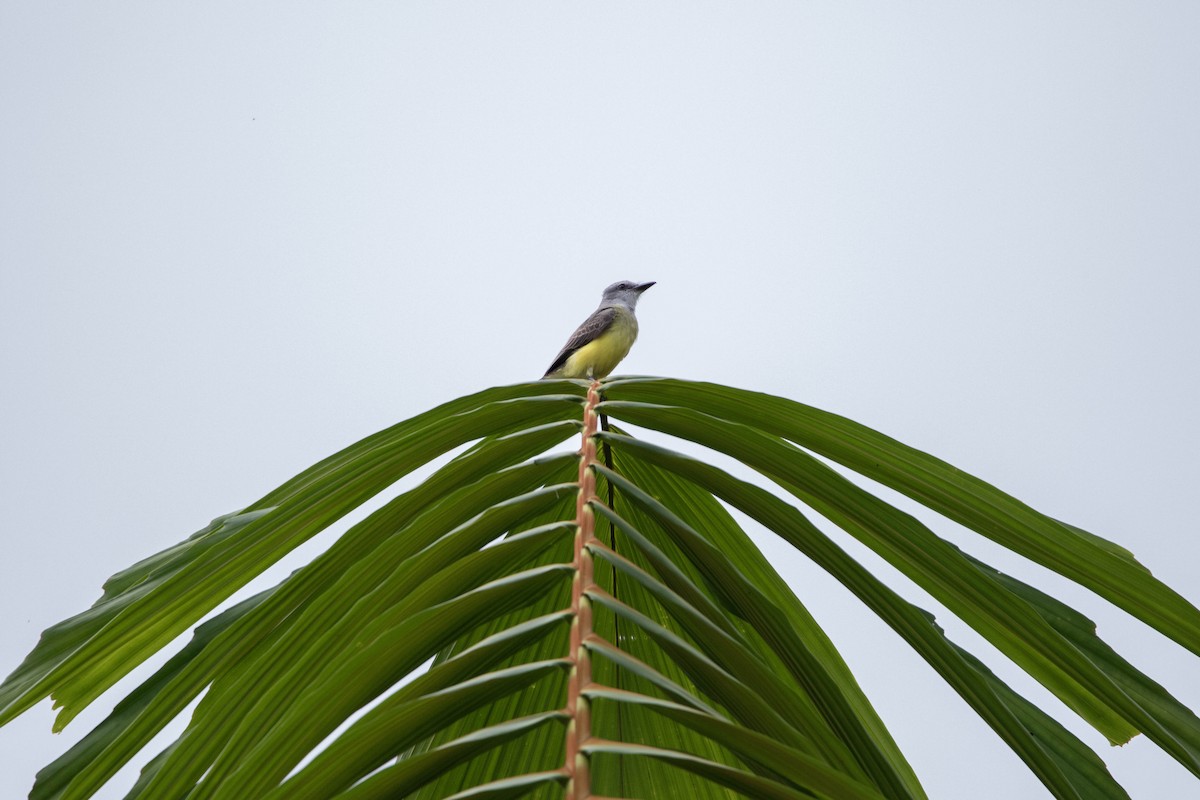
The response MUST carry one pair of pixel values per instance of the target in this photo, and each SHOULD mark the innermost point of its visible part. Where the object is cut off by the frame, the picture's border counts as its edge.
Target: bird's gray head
(624, 293)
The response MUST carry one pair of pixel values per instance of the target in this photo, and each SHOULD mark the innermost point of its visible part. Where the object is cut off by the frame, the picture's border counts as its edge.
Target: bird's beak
(644, 286)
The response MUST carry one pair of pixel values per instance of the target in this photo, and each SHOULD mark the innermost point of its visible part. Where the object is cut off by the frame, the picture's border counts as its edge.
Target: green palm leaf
(521, 604)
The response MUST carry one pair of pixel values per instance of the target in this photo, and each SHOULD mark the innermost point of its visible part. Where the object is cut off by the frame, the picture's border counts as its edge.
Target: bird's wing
(592, 327)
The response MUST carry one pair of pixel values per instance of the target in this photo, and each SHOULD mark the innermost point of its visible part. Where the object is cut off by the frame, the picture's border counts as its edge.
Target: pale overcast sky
(235, 237)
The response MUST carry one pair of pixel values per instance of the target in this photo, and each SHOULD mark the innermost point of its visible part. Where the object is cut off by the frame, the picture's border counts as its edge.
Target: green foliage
(711, 679)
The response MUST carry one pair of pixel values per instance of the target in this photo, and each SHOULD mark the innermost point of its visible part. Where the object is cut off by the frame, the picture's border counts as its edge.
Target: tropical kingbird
(604, 338)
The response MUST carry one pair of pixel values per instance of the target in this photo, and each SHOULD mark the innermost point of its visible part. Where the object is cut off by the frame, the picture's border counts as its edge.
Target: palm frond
(525, 622)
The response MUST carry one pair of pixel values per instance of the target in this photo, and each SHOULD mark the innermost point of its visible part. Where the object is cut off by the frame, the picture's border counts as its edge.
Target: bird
(604, 338)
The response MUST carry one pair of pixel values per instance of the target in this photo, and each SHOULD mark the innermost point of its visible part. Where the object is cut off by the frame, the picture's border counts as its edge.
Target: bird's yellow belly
(600, 356)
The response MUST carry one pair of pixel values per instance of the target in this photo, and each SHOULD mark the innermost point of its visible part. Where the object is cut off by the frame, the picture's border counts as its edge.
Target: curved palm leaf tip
(665, 658)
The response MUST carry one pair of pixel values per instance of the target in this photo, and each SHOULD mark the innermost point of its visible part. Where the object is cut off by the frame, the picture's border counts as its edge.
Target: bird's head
(624, 293)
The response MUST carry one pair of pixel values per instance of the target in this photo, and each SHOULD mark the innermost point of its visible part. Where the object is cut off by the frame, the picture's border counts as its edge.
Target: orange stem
(579, 729)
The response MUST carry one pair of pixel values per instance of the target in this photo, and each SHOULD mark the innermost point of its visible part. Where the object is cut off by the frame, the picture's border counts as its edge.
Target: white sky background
(234, 239)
